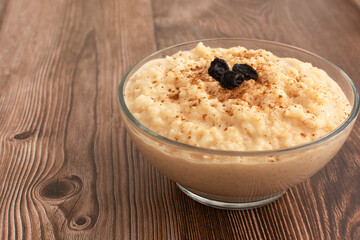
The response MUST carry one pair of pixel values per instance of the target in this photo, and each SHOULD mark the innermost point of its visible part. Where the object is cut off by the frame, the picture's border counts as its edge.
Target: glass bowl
(239, 179)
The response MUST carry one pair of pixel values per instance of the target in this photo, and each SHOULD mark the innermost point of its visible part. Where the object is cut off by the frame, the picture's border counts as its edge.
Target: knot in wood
(23, 135)
(81, 223)
(60, 188)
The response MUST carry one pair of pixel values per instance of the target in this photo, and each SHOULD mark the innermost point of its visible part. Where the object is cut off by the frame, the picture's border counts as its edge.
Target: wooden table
(68, 169)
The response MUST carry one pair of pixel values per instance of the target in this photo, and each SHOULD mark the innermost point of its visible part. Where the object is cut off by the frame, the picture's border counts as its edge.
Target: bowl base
(228, 205)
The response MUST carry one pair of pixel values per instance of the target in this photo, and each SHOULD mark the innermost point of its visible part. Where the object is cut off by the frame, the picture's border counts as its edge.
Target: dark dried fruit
(231, 79)
(217, 68)
(246, 70)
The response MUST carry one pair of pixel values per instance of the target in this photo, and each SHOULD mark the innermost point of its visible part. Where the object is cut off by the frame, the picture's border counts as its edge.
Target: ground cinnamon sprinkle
(174, 96)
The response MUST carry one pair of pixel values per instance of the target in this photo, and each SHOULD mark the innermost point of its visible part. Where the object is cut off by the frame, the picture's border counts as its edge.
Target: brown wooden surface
(68, 169)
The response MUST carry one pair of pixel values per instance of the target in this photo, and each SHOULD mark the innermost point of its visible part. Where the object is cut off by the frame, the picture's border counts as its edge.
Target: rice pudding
(280, 103)
(291, 103)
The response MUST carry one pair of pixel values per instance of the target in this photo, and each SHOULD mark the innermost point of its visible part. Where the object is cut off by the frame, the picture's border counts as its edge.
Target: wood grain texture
(68, 169)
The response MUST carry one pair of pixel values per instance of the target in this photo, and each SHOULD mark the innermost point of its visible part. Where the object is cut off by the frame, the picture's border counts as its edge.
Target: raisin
(246, 70)
(231, 79)
(217, 68)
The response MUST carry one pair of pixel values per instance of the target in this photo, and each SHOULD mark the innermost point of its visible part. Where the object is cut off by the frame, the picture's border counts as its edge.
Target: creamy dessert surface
(290, 104)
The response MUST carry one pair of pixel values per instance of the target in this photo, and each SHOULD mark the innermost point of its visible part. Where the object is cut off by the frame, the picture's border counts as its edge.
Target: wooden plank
(63, 168)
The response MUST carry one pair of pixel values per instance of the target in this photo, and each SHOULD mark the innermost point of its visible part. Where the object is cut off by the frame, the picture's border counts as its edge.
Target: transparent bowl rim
(174, 144)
